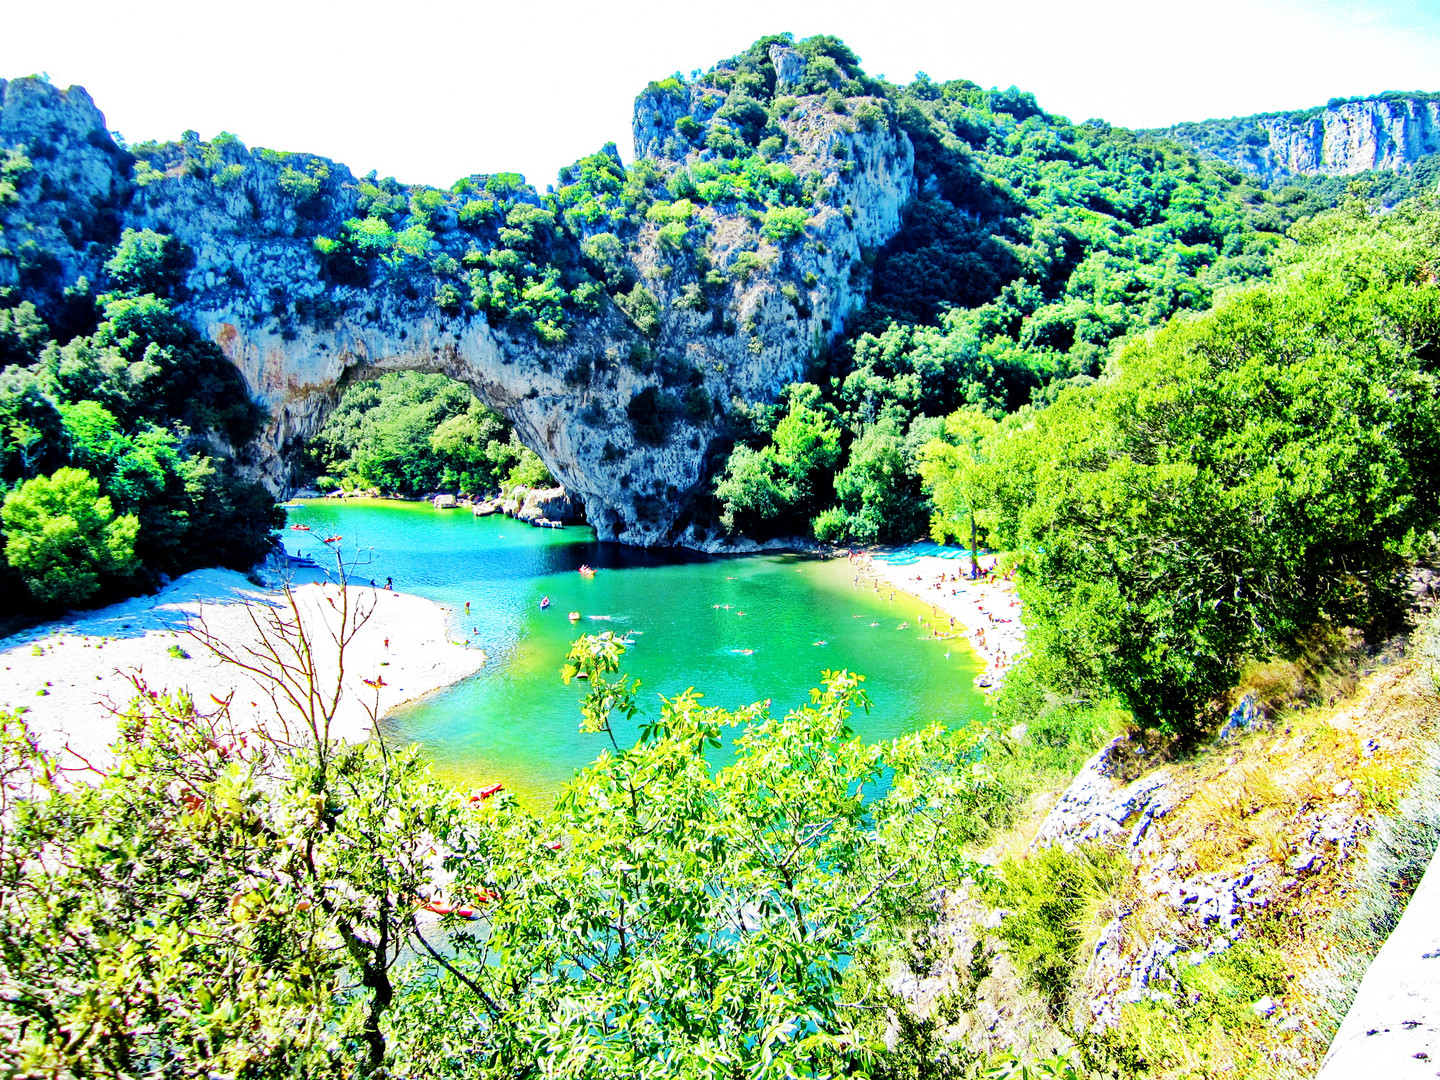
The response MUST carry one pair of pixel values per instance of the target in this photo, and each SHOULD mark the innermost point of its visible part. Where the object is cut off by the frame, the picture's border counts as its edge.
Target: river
(738, 628)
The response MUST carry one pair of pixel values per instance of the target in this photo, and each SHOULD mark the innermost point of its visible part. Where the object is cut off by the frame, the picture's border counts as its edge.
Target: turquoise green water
(739, 629)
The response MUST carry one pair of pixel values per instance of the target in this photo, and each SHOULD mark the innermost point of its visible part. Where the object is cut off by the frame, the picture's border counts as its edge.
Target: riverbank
(70, 675)
(985, 613)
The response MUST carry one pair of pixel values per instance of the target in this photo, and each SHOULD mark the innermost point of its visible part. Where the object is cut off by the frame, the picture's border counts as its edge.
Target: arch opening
(412, 434)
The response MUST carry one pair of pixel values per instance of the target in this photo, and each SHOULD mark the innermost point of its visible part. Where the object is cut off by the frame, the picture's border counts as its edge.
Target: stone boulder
(553, 504)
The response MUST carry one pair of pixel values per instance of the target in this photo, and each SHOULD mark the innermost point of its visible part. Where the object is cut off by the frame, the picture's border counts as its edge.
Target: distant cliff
(612, 323)
(1390, 131)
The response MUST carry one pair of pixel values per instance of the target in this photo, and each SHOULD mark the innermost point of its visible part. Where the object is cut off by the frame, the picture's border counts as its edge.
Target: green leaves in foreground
(671, 919)
(225, 905)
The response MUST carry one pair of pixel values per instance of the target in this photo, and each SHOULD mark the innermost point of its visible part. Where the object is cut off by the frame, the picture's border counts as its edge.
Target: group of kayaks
(324, 540)
(584, 571)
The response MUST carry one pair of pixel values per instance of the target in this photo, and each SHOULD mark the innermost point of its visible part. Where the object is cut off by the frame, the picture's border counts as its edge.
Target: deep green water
(515, 721)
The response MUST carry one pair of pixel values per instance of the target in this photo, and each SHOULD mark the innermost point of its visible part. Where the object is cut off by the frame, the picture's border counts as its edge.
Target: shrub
(651, 413)
(642, 307)
(870, 115)
(475, 212)
(64, 539)
(832, 526)
(698, 406)
(784, 223)
(301, 187)
(747, 263)
(447, 297)
(1048, 894)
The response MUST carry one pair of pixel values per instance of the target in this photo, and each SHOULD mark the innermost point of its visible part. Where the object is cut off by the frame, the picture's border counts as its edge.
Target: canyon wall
(260, 287)
(1343, 139)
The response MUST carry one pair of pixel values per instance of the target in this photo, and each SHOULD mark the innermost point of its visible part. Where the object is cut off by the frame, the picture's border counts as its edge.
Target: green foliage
(608, 254)
(136, 403)
(22, 333)
(1214, 996)
(652, 411)
(13, 166)
(187, 922)
(529, 471)
(410, 434)
(244, 905)
(779, 487)
(1045, 895)
(64, 539)
(709, 916)
(784, 223)
(1246, 474)
(302, 187)
(642, 307)
(878, 489)
(147, 262)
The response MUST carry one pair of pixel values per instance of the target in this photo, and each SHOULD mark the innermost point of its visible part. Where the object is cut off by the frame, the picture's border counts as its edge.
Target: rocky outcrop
(548, 504)
(736, 314)
(1343, 139)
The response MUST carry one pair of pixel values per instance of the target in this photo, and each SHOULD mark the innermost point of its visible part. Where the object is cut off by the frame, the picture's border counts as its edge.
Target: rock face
(1343, 139)
(260, 287)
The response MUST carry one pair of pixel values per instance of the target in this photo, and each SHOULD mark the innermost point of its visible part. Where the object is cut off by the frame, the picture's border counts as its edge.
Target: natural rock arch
(259, 288)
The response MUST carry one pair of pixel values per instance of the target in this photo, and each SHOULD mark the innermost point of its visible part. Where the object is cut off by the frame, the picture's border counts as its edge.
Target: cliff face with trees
(1390, 132)
(750, 331)
(609, 322)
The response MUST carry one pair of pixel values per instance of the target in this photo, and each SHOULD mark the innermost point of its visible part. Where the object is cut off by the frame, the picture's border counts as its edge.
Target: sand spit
(82, 662)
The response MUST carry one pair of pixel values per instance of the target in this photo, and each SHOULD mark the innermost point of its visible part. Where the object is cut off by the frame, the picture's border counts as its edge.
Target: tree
(1249, 473)
(753, 490)
(64, 539)
(669, 919)
(146, 261)
(217, 901)
(879, 489)
(954, 480)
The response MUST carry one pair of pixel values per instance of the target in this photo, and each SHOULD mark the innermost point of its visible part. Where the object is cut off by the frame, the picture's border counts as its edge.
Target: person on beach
(390, 583)
(387, 643)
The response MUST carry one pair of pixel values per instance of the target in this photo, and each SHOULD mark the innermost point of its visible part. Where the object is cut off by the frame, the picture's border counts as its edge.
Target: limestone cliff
(1391, 131)
(303, 300)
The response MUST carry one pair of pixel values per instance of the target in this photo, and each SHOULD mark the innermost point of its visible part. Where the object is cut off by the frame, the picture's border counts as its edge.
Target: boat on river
(585, 571)
(547, 523)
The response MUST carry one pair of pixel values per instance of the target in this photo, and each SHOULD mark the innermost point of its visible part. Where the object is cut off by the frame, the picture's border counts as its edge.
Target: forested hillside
(119, 442)
(1032, 246)
(749, 332)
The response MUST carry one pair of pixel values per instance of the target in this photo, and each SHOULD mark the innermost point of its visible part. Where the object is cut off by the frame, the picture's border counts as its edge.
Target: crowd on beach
(983, 609)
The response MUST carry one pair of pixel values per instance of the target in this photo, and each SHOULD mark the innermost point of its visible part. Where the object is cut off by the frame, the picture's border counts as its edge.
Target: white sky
(430, 92)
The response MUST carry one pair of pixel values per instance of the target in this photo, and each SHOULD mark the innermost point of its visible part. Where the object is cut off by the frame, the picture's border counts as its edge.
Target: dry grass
(1250, 806)
(1259, 797)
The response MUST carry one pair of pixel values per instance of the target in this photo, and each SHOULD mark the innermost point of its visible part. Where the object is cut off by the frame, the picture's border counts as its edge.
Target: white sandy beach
(82, 662)
(985, 613)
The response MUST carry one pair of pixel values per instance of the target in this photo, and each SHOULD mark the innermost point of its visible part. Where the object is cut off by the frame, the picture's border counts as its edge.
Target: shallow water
(739, 629)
